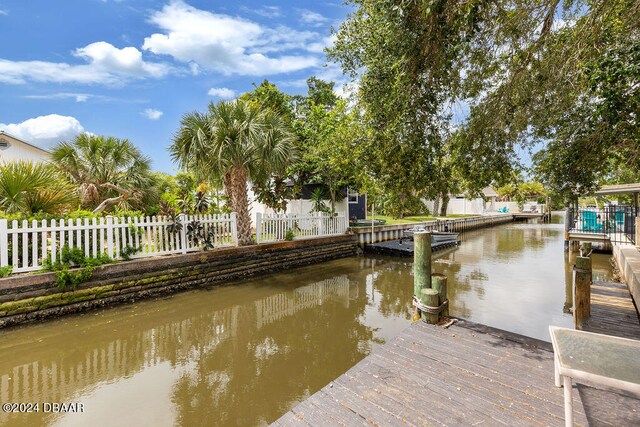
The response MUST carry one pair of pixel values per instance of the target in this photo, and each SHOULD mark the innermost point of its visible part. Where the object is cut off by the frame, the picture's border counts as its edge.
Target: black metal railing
(617, 222)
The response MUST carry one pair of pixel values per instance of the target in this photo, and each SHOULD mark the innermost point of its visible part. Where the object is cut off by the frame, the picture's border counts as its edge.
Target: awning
(608, 190)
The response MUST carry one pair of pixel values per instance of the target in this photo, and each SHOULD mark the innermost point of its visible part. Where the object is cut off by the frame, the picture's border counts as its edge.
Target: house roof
(489, 192)
(607, 190)
(3, 133)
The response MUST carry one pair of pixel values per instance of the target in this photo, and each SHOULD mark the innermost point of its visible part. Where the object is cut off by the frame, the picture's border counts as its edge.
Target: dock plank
(472, 374)
(612, 311)
(468, 374)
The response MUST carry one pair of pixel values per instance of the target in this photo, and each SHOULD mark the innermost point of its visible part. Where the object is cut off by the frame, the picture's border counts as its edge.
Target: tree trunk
(332, 194)
(445, 203)
(228, 189)
(436, 206)
(241, 205)
(111, 202)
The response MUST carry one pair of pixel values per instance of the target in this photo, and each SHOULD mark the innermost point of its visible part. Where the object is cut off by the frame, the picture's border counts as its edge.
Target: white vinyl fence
(24, 245)
(271, 228)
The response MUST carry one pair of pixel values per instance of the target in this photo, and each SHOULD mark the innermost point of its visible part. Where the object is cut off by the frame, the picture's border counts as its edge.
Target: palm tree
(237, 142)
(31, 188)
(107, 171)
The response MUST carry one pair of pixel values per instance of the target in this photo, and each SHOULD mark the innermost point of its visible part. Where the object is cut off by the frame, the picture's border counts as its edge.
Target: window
(3, 143)
(352, 196)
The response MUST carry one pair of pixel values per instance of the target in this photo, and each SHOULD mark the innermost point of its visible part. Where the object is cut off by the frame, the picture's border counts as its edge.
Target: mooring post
(439, 283)
(568, 219)
(421, 262)
(582, 290)
(430, 298)
(422, 269)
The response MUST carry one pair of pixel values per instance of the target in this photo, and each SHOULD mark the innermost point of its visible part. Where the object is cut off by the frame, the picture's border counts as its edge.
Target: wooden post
(582, 290)
(638, 231)
(421, 262)
(585, 249)
(439, 283)
(430, 297)
(568, 218)
(568, 284)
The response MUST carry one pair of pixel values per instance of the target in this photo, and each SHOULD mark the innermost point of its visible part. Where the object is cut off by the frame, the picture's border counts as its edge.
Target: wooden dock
(404, 247)
(471, 374)
(612, 311)
(528, 215)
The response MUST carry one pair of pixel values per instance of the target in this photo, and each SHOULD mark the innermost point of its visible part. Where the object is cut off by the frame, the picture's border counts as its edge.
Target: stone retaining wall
(30, 297)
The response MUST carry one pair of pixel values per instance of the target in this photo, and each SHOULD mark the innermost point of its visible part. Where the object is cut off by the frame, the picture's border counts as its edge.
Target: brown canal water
(245, 354)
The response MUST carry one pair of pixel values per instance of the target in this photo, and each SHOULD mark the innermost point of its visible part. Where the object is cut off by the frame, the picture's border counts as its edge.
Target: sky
(132, 68)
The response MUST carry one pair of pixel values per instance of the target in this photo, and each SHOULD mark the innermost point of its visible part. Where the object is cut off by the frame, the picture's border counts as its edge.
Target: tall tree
(107, 171)
(406, 63)
(239, 142)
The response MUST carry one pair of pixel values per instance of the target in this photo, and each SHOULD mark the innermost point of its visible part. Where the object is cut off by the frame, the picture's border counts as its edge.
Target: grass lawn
(412, 219)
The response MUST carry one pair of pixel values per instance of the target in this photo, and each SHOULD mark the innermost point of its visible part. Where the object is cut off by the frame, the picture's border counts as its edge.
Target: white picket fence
(272, 228)
(24, 245)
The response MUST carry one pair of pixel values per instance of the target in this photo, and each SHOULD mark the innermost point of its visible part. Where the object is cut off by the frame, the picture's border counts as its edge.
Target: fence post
(234, 227)
(183, 233)
(4, 243)
(109, 230)
(320, 224)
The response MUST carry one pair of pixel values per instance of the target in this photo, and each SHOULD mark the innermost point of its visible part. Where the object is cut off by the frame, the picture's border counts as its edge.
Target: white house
(349, 203)
(12, 148)
(460, 205)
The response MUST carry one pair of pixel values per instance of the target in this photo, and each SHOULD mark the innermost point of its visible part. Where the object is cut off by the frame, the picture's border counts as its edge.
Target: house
(13, 148)
(459, 204)
(348, 202)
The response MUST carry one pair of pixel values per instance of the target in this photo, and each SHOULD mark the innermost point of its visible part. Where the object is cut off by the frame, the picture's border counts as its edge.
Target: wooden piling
(430, 298)
(421, 262)
(439, 283)
(582, 290)
(585, 249)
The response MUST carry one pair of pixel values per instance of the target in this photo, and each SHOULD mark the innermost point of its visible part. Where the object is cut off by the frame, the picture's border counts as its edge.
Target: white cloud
(321, 45)
(226, 44)
(45, 131)
(266, 11)
(79, 97)
(106, 64)
(152, 114)
(3, 12)
(222, 92)
(312, 18)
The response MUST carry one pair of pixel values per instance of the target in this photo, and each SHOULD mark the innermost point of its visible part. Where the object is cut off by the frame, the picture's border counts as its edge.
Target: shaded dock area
(471, 374)
(404, 247)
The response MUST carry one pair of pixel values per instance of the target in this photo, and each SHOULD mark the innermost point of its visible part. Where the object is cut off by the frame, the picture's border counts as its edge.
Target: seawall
(30, 297)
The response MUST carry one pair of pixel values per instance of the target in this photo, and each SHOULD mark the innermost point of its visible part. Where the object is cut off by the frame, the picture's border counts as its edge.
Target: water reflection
(246, 353)
(236, 355)
(515, 277)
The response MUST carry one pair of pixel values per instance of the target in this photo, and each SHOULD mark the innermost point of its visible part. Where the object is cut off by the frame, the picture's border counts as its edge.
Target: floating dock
(403, 247)
(471, 374)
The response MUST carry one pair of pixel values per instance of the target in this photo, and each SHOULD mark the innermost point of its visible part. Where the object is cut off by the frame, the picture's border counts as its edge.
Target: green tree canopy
(31, 188)
(107, 172)
(239, 142)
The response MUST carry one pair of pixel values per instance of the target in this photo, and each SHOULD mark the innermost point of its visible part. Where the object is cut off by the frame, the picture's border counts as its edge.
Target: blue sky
(132, 68)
